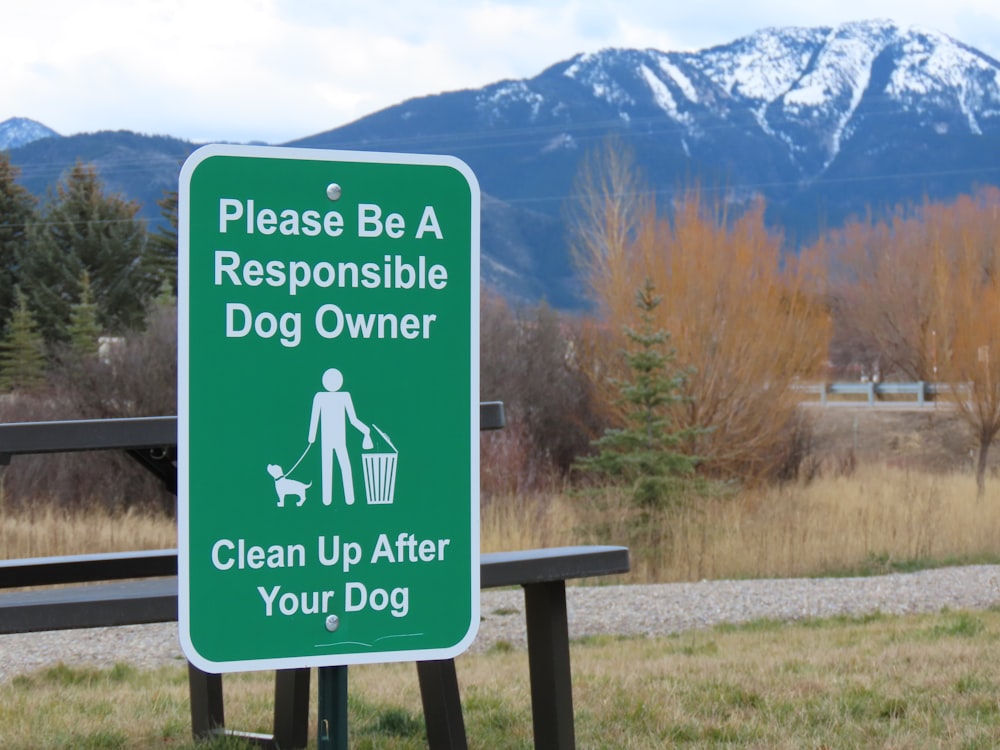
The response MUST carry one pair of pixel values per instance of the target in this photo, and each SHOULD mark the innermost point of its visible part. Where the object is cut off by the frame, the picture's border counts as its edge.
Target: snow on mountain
(661, 94)
(684, 83)
(803, 88)
(760, 67)
(602, 80)
(936, 69)
(20, 131)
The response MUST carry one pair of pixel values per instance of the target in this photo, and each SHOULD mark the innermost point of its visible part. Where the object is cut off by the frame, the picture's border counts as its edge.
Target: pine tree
(165, 297)
(646, 451)
(162, 257)
(22, 351)
(17, 212)
(83, 229)
(84, 330)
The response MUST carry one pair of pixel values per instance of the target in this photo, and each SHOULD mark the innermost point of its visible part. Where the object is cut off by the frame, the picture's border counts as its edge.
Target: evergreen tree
(84, 330)
(162, 258)
(22, 351)
(17, 212)
(646, 450)
(166, 296)
(83, 229)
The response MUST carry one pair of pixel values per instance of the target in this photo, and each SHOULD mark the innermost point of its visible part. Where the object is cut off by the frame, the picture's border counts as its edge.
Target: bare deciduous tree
(966, 318)
(924, 289)
(529, 360)
(744, 324)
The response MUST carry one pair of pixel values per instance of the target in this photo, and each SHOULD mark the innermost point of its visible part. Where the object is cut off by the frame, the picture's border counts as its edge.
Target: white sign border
(183, 405)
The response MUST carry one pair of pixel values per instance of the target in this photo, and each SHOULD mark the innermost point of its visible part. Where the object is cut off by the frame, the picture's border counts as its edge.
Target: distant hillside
(140, 167)
(523, 251)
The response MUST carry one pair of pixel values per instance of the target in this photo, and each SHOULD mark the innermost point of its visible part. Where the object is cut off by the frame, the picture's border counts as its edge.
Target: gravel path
(655, 609)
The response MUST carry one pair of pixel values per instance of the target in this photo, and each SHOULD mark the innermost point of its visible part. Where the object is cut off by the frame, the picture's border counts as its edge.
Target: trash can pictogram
(380, 473)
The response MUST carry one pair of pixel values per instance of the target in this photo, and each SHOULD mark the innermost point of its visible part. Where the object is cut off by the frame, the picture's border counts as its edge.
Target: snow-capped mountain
(824, 123)
(808, 91)
(772, 112)
(20, 131)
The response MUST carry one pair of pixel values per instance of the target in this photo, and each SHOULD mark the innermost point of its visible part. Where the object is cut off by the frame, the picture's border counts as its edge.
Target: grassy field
(879, 500)
(887, 491)
(924, 681)
(877, 519)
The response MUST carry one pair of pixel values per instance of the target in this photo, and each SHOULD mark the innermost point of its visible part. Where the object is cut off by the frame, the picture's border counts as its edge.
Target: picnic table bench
(112, 589)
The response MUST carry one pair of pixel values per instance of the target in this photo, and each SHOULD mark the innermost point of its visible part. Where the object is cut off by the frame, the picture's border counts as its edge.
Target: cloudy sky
(274, 70)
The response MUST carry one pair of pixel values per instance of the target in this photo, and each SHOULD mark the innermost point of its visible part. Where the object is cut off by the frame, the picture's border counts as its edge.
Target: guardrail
(922, 393)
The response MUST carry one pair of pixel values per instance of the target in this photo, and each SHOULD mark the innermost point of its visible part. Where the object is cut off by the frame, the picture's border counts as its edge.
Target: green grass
(921, 681)
(883, 563)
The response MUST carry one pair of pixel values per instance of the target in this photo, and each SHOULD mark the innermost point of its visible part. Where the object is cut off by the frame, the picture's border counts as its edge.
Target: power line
(666, 191)
(526, 136)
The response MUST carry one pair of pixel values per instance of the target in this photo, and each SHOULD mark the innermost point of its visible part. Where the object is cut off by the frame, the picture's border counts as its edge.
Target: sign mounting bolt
(332, 623)
(333, 191)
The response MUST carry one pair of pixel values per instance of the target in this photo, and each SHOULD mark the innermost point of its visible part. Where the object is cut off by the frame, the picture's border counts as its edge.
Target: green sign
(328, 415)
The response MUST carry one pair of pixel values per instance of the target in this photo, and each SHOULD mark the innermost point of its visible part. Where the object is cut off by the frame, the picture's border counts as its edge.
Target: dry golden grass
(878, 516)
(51, 531)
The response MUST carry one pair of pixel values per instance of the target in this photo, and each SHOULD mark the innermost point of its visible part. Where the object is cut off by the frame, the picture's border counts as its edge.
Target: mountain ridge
(20, 131)
(823, 123)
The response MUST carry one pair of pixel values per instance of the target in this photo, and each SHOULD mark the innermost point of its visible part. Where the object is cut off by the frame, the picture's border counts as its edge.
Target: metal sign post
(331, 733)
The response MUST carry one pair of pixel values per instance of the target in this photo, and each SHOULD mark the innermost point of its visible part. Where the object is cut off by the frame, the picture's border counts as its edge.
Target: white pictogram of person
(331, 409)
